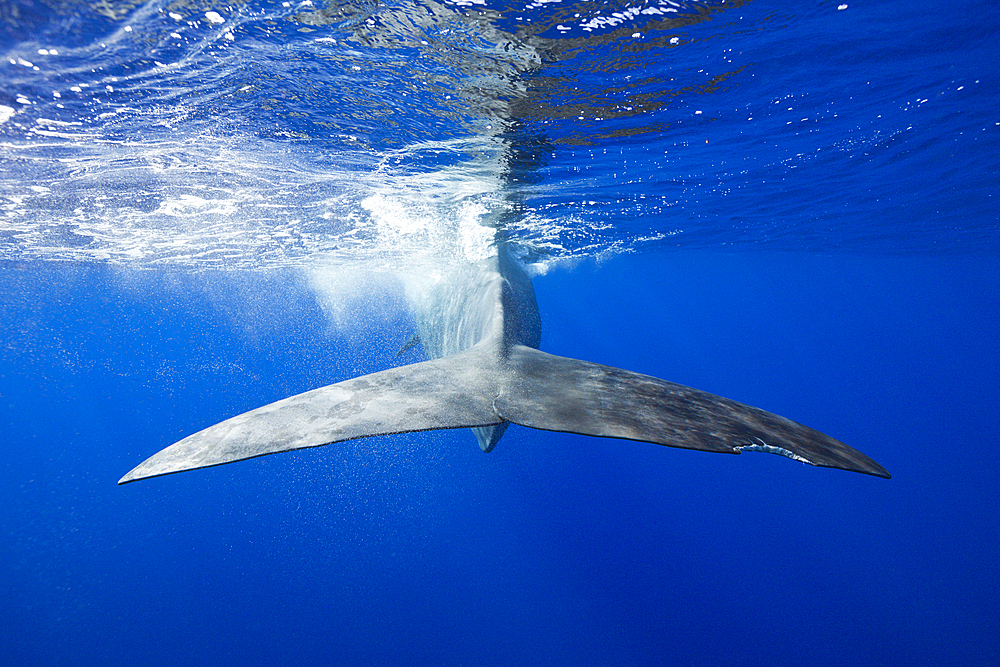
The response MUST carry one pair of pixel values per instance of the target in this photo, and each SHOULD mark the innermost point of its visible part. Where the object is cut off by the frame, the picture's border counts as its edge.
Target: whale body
(480, 330)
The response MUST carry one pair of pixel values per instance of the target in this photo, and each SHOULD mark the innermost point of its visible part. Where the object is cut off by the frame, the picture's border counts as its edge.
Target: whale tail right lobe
(561, 394)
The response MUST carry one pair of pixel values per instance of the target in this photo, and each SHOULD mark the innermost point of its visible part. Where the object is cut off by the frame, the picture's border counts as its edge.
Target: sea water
(205, 207)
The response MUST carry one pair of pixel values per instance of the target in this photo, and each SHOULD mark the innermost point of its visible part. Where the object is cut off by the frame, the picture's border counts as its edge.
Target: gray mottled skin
(480, 329)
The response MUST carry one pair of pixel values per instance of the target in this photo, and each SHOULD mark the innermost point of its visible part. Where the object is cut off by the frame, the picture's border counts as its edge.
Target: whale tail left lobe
(439, 394)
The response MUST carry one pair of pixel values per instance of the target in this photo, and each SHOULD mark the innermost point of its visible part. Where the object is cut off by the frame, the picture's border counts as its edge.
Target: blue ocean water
(206, 207)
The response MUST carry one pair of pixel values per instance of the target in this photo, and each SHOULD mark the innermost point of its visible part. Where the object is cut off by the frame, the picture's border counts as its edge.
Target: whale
(480, 329)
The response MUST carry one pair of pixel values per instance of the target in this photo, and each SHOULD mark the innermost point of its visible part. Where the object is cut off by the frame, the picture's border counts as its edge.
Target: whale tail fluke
(526, 387)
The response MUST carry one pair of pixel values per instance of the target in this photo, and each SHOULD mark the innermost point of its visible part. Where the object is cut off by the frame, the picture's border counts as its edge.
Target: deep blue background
(420, 549)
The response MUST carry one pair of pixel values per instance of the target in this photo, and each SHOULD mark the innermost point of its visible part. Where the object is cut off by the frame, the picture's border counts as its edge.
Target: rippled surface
(266, 134)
